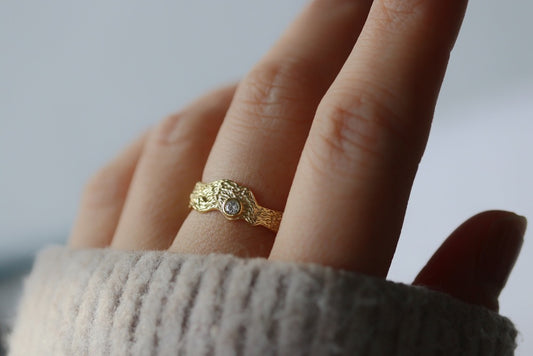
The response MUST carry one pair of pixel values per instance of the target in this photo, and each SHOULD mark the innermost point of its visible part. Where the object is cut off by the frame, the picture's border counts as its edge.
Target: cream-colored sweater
(101, 302)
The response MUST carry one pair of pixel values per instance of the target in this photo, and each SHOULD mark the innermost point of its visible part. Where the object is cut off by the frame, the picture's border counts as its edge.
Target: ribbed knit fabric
(100, 302)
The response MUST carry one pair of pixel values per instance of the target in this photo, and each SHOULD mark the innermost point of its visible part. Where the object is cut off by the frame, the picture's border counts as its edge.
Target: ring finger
(260, 141)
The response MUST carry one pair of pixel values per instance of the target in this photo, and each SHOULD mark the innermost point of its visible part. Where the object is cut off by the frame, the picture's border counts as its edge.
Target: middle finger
(260, 141)
(367, 139)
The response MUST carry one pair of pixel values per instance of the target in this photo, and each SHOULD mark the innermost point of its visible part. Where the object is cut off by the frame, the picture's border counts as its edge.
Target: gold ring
(234, 202)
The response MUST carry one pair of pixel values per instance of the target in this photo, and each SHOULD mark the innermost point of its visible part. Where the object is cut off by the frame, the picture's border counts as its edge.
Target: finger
(473, 264)
(103, 199)
(171, 163)
(261, 139)
(367, 138)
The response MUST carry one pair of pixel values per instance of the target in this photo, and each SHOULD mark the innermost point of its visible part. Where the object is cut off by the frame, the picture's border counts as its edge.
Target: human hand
(329, 126)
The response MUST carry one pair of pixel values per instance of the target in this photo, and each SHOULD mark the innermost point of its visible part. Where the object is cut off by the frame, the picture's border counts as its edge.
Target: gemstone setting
(232, 207)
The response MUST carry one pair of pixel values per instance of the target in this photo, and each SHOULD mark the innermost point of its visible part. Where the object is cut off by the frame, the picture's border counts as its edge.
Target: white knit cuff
(94, 302)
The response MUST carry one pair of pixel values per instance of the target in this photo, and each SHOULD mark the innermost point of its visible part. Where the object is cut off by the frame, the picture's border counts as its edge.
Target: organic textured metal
(225, 196)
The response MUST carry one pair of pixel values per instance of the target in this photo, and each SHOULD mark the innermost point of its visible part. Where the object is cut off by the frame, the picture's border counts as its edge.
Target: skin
(329, 127)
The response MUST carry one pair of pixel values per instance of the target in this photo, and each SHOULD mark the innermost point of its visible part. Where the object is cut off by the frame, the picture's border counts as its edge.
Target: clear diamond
(232, 207)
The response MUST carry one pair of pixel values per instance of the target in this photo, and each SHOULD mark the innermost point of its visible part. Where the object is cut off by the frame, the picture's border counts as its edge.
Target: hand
(330, 127)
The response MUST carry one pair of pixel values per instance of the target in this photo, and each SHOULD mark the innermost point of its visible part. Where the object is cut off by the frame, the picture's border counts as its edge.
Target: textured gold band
(234, 202)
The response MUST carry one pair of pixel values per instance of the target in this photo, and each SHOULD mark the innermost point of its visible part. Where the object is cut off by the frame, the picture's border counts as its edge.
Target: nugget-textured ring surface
(234, 202)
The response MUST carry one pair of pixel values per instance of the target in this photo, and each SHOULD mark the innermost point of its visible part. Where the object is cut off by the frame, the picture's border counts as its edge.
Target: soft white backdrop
(80, 79)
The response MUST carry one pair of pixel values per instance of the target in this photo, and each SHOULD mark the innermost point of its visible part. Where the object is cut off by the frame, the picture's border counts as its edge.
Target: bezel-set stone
(232, 207)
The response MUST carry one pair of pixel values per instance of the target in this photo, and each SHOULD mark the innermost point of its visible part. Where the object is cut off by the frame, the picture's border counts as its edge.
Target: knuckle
(401, 7)
(182, 127)
(169, 130)
(276, 80)
(177, 135)
(359, 130)
(105, 187)
(270, 92)
(396, 13)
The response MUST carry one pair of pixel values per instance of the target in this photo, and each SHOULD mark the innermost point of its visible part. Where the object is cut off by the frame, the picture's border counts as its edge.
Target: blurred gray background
(78, 80)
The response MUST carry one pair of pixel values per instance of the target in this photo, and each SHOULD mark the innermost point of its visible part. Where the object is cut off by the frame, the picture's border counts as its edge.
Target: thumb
(473, 264)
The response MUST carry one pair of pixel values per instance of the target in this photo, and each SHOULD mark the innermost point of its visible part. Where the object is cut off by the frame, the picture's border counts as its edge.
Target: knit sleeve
(101, 302)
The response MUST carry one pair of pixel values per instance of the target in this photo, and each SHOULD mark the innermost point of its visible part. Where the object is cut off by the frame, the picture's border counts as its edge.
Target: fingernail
(501, 251)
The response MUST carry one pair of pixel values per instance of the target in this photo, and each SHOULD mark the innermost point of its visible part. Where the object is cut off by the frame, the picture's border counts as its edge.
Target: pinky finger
(103, 199)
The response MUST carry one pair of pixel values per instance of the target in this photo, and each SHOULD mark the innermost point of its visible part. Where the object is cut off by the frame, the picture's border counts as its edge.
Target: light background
(78, 80)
